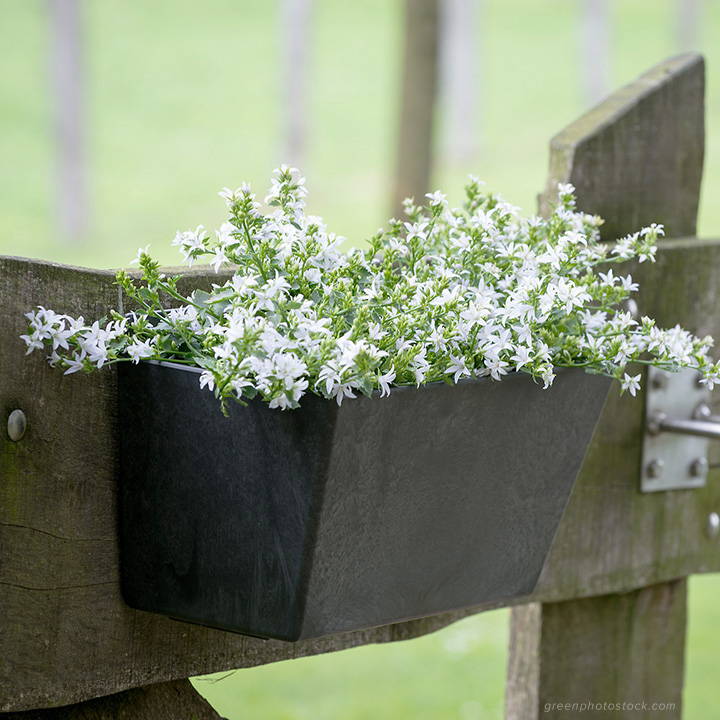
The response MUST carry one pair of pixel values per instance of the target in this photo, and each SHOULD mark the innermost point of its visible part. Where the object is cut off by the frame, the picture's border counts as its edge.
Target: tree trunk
(595, 49)
(295, 34)
(460, 79)
(419, 89)
(67, 80)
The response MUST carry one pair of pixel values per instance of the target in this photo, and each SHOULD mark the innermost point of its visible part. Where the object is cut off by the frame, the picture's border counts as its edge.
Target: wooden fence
(607, 619)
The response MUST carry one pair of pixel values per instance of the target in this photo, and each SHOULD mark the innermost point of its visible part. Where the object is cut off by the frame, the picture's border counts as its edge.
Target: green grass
(183, 99)
(458, 673)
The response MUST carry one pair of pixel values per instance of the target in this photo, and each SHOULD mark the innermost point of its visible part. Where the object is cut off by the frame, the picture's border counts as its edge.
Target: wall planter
(298, 524)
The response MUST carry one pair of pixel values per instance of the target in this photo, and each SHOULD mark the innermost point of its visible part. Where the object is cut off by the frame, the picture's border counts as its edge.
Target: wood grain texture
(570, 659)
(166, 701)
(523, 674)
(637, 157)
(613, 538)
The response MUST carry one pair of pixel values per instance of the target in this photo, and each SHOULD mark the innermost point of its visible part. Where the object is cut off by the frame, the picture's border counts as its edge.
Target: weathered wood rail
(607, 619)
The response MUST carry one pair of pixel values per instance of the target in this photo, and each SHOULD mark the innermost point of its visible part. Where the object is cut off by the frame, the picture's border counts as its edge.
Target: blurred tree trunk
(688, 23)
(295, 17)
(419, 89)
(595, 39)
(459, 86)
(67, 81)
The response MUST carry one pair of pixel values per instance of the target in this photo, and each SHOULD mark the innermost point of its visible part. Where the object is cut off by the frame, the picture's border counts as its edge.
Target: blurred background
(120, 121)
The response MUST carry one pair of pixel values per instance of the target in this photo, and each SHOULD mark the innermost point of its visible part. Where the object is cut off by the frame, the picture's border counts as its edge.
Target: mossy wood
(635, 159)
(581, 658)
(66, 634)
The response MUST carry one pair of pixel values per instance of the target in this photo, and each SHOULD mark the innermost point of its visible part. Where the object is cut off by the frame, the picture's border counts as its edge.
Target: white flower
(34, 341)
(375, 331)
(140, 349)
(340, 391)
(548, 377)
(457, 368)
(522, 356)
(496, 367)
(630, 384)
(477, 291)
(218, 259)
(231, 196)
(436, 198)
(207, 380)
(627, 284)
(384, 381)
(420, 366)
(74, 363)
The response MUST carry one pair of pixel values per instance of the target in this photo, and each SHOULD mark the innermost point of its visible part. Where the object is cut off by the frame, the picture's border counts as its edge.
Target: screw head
(659, 380)
(654, 468)
(713, 525)
(702, 412)
(698, 467)
(16, 425)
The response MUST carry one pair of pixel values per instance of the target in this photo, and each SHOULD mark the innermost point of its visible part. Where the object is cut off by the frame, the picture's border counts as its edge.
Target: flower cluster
(443, 295)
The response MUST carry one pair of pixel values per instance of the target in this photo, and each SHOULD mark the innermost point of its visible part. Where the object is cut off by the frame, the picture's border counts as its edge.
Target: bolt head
(16, 425)
(654, 468)
(698, 467)
(713, 525)
(659, 380)
(702, 412)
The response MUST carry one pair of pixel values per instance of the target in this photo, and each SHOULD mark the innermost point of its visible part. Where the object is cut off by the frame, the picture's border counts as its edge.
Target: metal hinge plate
(671, 461)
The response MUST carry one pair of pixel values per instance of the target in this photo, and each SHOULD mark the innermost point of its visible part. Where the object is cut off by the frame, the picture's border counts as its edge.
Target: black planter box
(301, 523)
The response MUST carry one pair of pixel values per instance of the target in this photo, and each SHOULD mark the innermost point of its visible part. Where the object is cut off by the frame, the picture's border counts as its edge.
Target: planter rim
(394, 388)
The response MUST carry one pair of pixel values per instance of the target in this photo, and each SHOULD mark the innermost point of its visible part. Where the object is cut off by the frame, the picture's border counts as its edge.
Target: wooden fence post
(635, 159)
(582, 658)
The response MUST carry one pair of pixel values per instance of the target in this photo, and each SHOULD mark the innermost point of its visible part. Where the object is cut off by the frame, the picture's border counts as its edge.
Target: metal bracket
(678, 427)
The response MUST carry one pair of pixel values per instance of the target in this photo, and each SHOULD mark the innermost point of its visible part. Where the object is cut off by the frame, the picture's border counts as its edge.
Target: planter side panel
(217, 515)
(446, 497)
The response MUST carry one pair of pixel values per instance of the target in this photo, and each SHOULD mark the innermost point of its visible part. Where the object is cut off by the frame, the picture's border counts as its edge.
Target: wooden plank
(637, 157)
(583, 658)
(166, 701)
